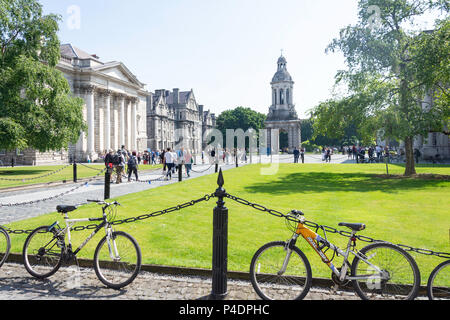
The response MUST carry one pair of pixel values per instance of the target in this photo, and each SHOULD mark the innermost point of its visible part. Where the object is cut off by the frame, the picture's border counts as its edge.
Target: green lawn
(414, 212)
(26, 175)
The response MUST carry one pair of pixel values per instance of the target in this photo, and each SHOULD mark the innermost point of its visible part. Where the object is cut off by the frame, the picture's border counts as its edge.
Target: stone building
(282, 114)
(115, 110)
(175, 119)
(436, 145)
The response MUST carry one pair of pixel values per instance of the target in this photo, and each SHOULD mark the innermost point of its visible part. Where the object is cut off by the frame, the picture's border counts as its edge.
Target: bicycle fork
(112, 246)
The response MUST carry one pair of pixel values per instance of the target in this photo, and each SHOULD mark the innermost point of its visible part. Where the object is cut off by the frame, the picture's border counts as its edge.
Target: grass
(409, 211)
(21, 175)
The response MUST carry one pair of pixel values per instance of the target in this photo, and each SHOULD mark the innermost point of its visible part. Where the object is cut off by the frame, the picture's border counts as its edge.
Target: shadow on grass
(313, 182)
(28, 172)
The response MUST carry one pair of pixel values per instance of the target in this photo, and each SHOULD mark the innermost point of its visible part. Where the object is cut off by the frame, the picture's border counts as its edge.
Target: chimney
(176, 96)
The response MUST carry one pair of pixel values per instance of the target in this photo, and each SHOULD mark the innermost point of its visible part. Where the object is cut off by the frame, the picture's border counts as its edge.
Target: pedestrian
(302, 154)
(109, 160)
(296, 155)
(133, 166)
(169, 163)
(120, 167)
(417, 155)
(188, 161)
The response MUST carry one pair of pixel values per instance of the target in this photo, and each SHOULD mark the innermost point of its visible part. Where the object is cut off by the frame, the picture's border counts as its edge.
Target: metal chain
(130, 220)
(39, 177)
(51, 198)
(332, 230)
(96, 169)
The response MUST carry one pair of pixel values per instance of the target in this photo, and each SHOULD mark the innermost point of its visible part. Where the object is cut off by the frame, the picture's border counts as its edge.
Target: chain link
(51, 198)
(39, 177)
(129, 220)
(332, 230)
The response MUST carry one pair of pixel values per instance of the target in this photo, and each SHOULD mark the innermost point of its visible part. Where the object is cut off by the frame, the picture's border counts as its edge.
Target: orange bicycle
(381, 270)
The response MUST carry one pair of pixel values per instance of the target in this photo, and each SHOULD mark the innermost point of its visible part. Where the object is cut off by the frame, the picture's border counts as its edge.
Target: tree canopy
(392, 66)
(37, 109)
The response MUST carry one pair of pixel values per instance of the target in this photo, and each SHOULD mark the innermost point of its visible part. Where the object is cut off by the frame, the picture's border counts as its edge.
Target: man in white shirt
(170, 158)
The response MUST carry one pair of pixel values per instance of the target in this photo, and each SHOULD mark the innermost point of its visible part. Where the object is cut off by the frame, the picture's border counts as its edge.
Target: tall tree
(241, 118)
(391, 69)
(37, 109)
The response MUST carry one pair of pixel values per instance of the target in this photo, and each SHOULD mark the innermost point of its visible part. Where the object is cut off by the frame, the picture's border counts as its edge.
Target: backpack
(116, 159)
(132, 162)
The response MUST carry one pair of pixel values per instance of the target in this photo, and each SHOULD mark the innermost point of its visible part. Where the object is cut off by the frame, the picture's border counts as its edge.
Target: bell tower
(282, 113)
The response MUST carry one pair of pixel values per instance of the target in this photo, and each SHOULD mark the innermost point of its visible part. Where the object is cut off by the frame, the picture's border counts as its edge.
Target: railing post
(180, 172)
(75, 178)
(108, 183)
(220, 245)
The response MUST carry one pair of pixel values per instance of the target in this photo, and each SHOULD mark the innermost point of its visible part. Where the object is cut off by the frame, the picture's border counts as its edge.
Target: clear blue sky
(226, 50)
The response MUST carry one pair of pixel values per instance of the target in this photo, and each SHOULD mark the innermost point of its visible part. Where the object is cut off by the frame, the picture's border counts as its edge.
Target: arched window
(281, 96)
(288, 96)
(274, 97)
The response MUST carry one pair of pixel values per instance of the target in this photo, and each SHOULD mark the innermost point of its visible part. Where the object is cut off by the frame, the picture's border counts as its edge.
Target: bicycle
(117, 258)
(381, 270)
(5, 245)
(439, 276)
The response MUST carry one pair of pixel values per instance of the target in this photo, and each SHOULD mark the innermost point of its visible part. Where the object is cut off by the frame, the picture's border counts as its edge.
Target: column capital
(88, 89)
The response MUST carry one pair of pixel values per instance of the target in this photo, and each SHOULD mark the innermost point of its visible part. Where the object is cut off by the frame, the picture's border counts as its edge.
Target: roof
(282, 74)
(68, 50)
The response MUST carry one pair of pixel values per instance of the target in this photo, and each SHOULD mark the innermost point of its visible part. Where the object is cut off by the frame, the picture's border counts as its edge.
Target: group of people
(118, 160)
(299, 154)
(358, 153)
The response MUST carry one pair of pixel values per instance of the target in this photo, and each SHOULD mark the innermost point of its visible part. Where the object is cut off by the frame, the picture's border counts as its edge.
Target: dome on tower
(282, 74)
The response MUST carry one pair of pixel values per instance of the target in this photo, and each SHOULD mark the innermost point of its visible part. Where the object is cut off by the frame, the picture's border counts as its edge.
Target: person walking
(296, 155)
(133, 166)
(120, 167)
(302, 154)
(169, 162)
(188, 161)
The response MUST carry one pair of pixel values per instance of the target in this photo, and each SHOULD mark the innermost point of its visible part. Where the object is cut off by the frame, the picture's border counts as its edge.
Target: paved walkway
(72, 283)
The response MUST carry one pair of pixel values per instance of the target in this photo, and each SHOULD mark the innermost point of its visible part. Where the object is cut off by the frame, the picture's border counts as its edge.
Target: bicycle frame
(314, 240)
(71, 222)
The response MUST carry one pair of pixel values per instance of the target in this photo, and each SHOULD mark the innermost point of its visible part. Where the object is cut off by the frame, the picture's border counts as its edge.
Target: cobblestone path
(71, 283)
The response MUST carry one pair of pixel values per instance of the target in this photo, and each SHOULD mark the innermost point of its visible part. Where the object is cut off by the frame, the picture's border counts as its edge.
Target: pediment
(119, 71)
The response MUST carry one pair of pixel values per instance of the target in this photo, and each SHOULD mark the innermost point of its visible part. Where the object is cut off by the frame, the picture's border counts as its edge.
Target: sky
(225, 50)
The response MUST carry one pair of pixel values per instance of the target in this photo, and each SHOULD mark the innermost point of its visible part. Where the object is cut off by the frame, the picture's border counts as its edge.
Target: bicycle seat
(65, 209)
(353, 226)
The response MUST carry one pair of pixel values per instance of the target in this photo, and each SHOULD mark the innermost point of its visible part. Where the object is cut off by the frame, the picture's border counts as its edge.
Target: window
(288, 96)
(434, 139)
(2, 152)
(19, 152)
(281, 96)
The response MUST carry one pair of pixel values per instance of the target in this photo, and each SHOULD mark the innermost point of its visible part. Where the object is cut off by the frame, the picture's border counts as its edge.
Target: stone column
(90, 91)
(122, 119)
(134, 133)
(108, 120)
(128, 124)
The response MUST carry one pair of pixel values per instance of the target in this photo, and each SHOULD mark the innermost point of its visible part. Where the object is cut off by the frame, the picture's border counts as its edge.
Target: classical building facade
(115, 110)
(175, 120)
(282, 114)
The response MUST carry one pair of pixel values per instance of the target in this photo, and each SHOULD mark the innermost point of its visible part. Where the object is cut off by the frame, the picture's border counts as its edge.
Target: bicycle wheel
(438, 287)
(122, 269)
(266, 277)
(398, 267)
(5, 246)
(42, 253)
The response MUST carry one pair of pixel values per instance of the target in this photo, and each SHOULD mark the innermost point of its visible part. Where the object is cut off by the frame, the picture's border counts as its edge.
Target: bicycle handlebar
(101, 202)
